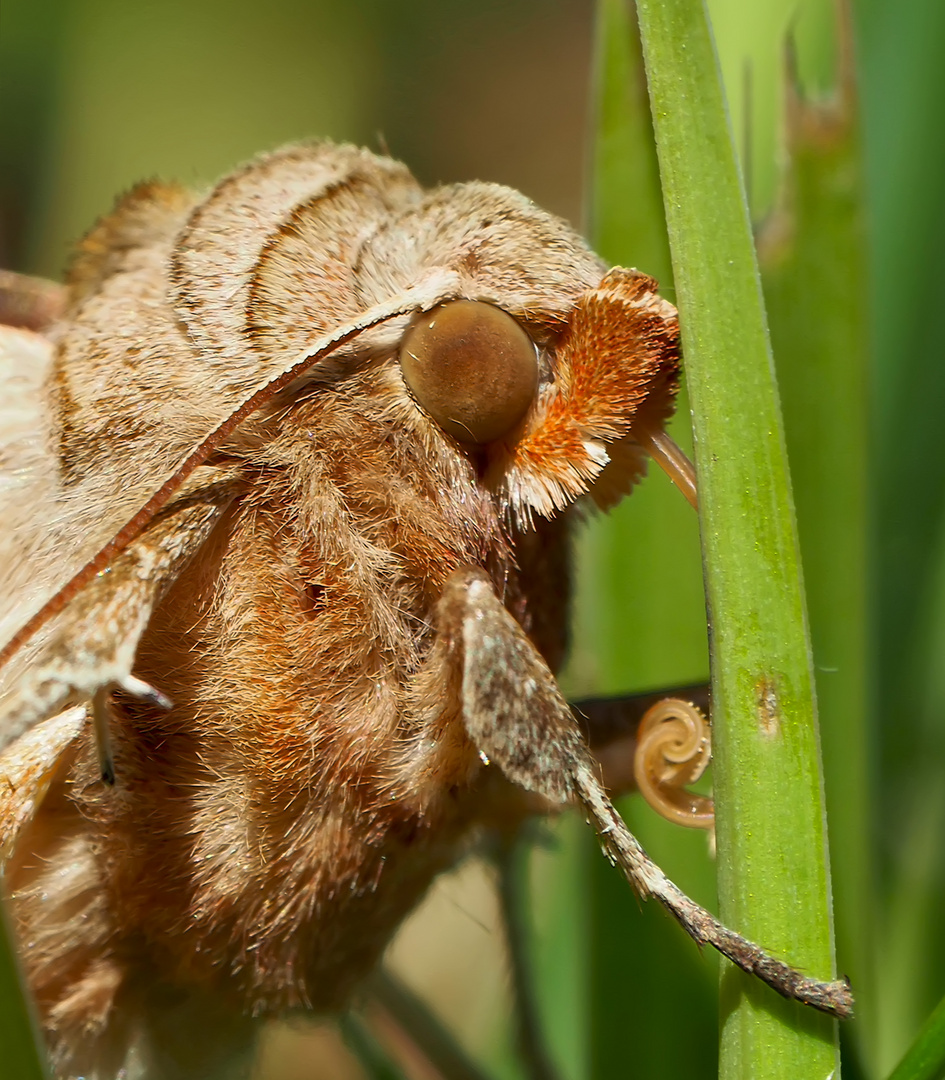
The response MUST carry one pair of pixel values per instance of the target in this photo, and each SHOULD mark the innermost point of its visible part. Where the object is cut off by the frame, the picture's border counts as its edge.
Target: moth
(290, 469)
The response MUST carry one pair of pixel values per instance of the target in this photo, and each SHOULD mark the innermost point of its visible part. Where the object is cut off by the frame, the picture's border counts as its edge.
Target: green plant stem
(814, 257)
(441, 1054)
(19, 1037)
(360, 1040)
(925, 1059)
(773, 872)
(513, 869)
(640, 625)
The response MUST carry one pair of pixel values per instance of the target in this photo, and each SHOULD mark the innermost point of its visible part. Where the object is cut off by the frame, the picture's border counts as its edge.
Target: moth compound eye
(472, 368)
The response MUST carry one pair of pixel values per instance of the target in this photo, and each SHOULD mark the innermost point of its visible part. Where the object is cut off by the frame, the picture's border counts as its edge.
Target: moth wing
(27, 481)
(28, 767)
(91, 644)
(161, 312)
(76, 464)
(28, 472)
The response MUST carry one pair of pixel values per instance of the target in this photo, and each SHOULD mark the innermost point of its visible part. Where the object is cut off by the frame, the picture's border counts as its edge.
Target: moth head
(537, 363)
(520, 356)
(597, 420)
(508, 349)
(550, 414)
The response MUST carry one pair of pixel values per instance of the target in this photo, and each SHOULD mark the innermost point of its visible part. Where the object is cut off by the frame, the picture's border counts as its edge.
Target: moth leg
(31, 303)
(517, 718)
(397, 1009)
(103, 735)
(100, 718)
(511, 859)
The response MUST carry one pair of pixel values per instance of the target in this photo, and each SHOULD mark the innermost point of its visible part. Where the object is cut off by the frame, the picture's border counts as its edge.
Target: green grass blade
(925, 1059)
(625, 212)
(640, 624)
(373, 1058)
(19, 1036)
(910, 949)
(560, 942)
(814, 260)
(903, 86)
(773, 873)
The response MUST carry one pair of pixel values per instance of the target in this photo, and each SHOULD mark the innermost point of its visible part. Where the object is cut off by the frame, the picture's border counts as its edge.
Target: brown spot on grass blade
(768, 706)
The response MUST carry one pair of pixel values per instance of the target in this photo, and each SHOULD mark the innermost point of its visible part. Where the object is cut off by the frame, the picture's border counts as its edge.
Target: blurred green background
(96, 94)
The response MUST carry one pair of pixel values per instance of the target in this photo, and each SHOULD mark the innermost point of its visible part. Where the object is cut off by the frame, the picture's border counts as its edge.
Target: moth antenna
(670, 458)
(647, 878)
(416, 299)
